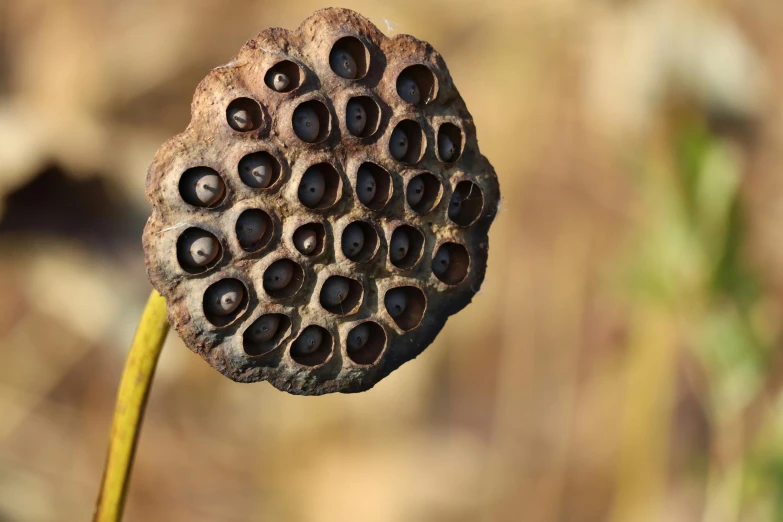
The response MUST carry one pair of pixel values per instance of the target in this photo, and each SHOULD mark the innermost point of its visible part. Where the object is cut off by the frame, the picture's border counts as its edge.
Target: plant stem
(129, 411)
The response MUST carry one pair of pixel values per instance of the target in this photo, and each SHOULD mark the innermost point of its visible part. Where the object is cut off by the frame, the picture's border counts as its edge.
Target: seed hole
(244, 115)
(406, 306)
(349, 58)
(405, 246)
(259, 170)
(198, 250)
(320, 187)
(283, 279)
(449, 143)
(407, 142)
(341, 295)
(284, 76)
(360, 242)
(365, 343)
(362, 116)
(201, 187)
(224, 301)
(313, 346)
(466, 203)
(424, 192)
(451, 263)
(309, 239)
(373, 186)
(311, 121)
(416, 85)
(254, 229)
(265, 334)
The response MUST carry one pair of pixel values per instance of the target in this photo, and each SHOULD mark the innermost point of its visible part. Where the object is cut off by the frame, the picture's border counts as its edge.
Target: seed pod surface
(325, 211)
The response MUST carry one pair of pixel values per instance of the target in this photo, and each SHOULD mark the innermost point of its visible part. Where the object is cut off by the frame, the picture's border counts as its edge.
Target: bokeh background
(623, 361)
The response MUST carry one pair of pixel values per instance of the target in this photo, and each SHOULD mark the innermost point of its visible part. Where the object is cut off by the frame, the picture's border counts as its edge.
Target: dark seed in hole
(400, 243)
(353, 240)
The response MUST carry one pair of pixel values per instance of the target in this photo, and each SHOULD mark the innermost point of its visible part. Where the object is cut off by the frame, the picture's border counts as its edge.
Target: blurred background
(623, 361)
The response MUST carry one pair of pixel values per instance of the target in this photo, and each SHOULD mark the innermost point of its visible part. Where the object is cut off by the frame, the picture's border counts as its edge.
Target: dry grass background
(622, 362)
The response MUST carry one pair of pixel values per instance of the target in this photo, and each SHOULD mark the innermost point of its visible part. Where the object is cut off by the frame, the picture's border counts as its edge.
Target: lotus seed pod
(415, 191)
(223, 297)
(334, 291)
(396, 302)
(441, 262)
(408, 90)
(202, 187)
(446, 147)
(343, 63)
(399, 245)
(306, 123)
(355, 117)
(365, 185)
(280, 82)
(398, 144)
(455, 206)
(353, 240)
(199, 249)
(295, 160)
(251, 227)
(312, 188)
(241, 118)
(256, 171)
(305, 241)
(309, 341)
(357, 337)
(263, 329)
(278, 275)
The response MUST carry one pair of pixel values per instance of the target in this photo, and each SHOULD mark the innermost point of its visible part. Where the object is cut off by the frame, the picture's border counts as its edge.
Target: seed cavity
(201, 187)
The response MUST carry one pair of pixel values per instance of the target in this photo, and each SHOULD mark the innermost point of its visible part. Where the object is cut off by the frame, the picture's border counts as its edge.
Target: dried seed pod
(396, 302)
(224, 297)
(263, 329)
(399, 245)
(335, 291)
(352, 240)
(358, 337)
(280, 82)
(312, 187)
(398, 144)
(355, 117)
(307, 125)
(309, 341)
(201, 187)
(343, 63)
(340, 108)
(408, 89)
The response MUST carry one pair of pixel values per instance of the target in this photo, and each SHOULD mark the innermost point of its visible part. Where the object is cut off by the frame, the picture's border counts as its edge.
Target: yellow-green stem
(129, 411)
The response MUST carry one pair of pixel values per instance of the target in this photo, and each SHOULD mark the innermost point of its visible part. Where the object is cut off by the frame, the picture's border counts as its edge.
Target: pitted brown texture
(218, 138)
